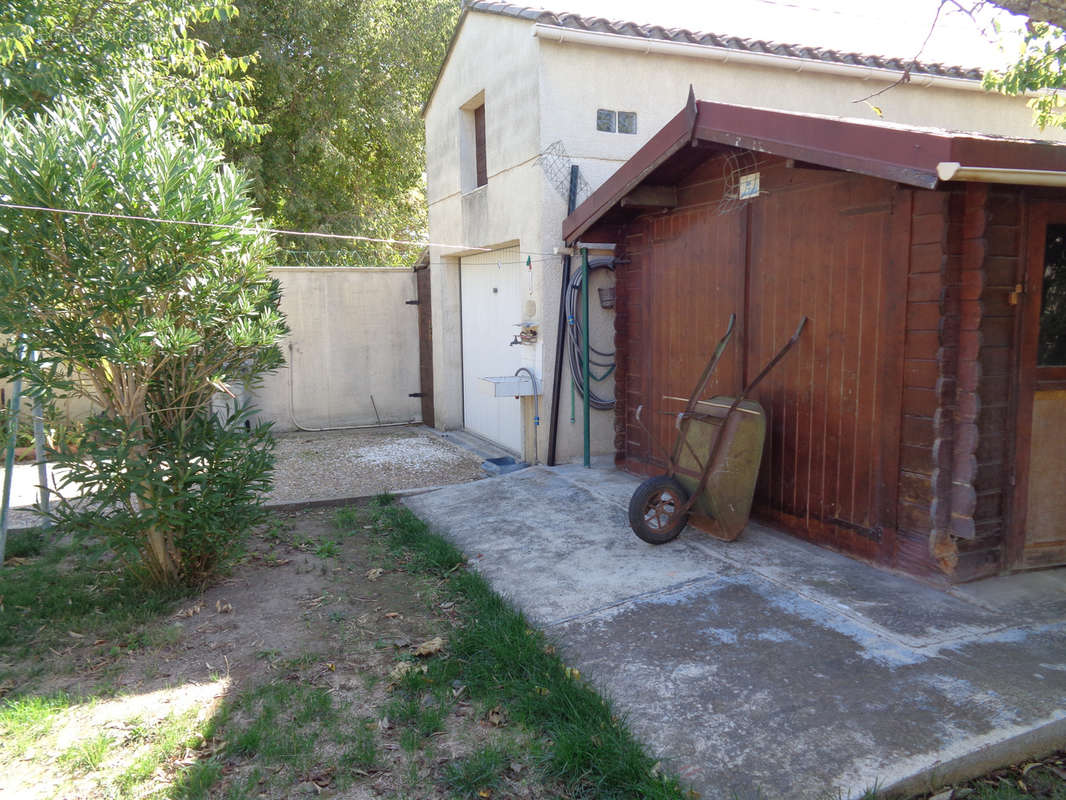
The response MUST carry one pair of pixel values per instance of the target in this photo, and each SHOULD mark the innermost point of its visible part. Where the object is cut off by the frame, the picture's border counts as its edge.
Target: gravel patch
(320, 466)
(327, 465)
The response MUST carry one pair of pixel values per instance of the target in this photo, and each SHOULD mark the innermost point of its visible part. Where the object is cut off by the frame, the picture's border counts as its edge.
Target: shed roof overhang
(921, 157)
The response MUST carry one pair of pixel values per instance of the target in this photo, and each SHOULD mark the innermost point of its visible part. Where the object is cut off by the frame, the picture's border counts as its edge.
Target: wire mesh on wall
(555, 162)
(737, 164)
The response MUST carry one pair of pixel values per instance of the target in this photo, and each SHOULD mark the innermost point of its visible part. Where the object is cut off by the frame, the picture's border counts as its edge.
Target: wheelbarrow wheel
(656, 512)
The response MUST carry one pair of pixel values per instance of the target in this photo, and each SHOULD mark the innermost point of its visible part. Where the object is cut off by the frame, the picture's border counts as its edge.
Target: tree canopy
(340, 83)
(1041, 69)
(53, 49)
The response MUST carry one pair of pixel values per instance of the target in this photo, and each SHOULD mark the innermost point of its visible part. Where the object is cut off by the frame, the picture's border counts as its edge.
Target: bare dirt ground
(312, 615)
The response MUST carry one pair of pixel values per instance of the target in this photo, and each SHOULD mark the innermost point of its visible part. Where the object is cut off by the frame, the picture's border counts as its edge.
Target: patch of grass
(348, 519)
(26, 544)
(427, 552)
(425, 717)
(156, 636)
(503, 661)
(278, 726)
(1039, 779)
(86, 755)
(24, 720)
(75, 588)
(361, 750)
(327, 549)
(168, 738)
(196, 782)
(477, 774)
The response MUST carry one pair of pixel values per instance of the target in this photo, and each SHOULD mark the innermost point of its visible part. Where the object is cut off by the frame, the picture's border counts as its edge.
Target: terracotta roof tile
(625, 28)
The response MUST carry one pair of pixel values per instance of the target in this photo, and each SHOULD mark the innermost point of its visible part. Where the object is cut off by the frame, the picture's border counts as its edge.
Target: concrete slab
(576, 542)
(769, 667)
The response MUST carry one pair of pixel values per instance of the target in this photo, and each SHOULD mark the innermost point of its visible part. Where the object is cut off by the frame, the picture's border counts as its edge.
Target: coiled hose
(597, 358)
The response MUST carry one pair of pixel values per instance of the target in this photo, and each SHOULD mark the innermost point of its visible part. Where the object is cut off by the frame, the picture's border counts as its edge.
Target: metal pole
(43, 495)
(585, 347)
(560, 336)
(9, 458)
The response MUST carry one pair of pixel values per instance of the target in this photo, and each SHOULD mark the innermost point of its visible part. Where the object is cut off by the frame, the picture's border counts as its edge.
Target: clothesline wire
(278, 231)
(242, 228)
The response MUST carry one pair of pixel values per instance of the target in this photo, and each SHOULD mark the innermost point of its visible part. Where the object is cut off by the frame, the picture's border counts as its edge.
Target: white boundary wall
(352, 338)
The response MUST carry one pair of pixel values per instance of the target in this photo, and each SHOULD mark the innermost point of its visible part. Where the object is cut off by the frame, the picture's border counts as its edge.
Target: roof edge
(907, 155)
(560, 34)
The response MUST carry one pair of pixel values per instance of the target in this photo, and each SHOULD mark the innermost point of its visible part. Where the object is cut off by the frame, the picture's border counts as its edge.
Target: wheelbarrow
(714, 463)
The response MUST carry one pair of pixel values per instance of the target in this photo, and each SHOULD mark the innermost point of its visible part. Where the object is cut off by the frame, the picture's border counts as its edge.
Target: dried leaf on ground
(374, 574)
(191, 610)
(496, 717)
(222, 607)
(431, 647)
(403, 668)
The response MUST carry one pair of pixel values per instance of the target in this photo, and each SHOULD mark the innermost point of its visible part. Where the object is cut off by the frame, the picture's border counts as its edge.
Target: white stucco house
(516, 81)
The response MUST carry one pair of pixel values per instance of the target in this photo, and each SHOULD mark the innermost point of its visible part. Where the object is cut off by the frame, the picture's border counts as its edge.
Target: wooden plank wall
(921, 483)
(819, 246)
(683, 278)
(954, 468)
(888, 427)
(1002, 267)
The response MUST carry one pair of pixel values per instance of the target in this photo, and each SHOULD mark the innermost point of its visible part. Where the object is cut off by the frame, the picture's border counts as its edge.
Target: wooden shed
(920, 423)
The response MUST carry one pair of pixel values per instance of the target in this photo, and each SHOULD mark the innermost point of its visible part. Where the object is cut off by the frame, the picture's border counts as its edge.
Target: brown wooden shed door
(1040, 499)
(821, 246)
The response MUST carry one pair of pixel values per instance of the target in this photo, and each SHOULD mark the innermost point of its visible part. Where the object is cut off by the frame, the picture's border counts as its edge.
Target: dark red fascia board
(906, 155)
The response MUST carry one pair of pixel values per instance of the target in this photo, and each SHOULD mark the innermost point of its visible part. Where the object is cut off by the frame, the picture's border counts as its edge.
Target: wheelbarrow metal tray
(724, 506)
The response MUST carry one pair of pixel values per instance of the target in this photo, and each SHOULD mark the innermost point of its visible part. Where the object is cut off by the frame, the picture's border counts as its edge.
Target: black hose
(573, 293)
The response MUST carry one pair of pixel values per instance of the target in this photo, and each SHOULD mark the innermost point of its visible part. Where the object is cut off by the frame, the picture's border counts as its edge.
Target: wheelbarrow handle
(773, 362)
(708, 371)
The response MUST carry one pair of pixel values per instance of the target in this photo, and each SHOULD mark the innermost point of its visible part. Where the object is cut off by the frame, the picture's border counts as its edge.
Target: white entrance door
(492, 307)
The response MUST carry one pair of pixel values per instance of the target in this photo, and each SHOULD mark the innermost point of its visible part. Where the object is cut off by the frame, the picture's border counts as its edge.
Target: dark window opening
(1051, 351)
(480, 167)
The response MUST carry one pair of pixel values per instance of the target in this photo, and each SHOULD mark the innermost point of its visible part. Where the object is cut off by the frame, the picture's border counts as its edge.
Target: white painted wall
(536, 92)
(352, 337)
(496, 56)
